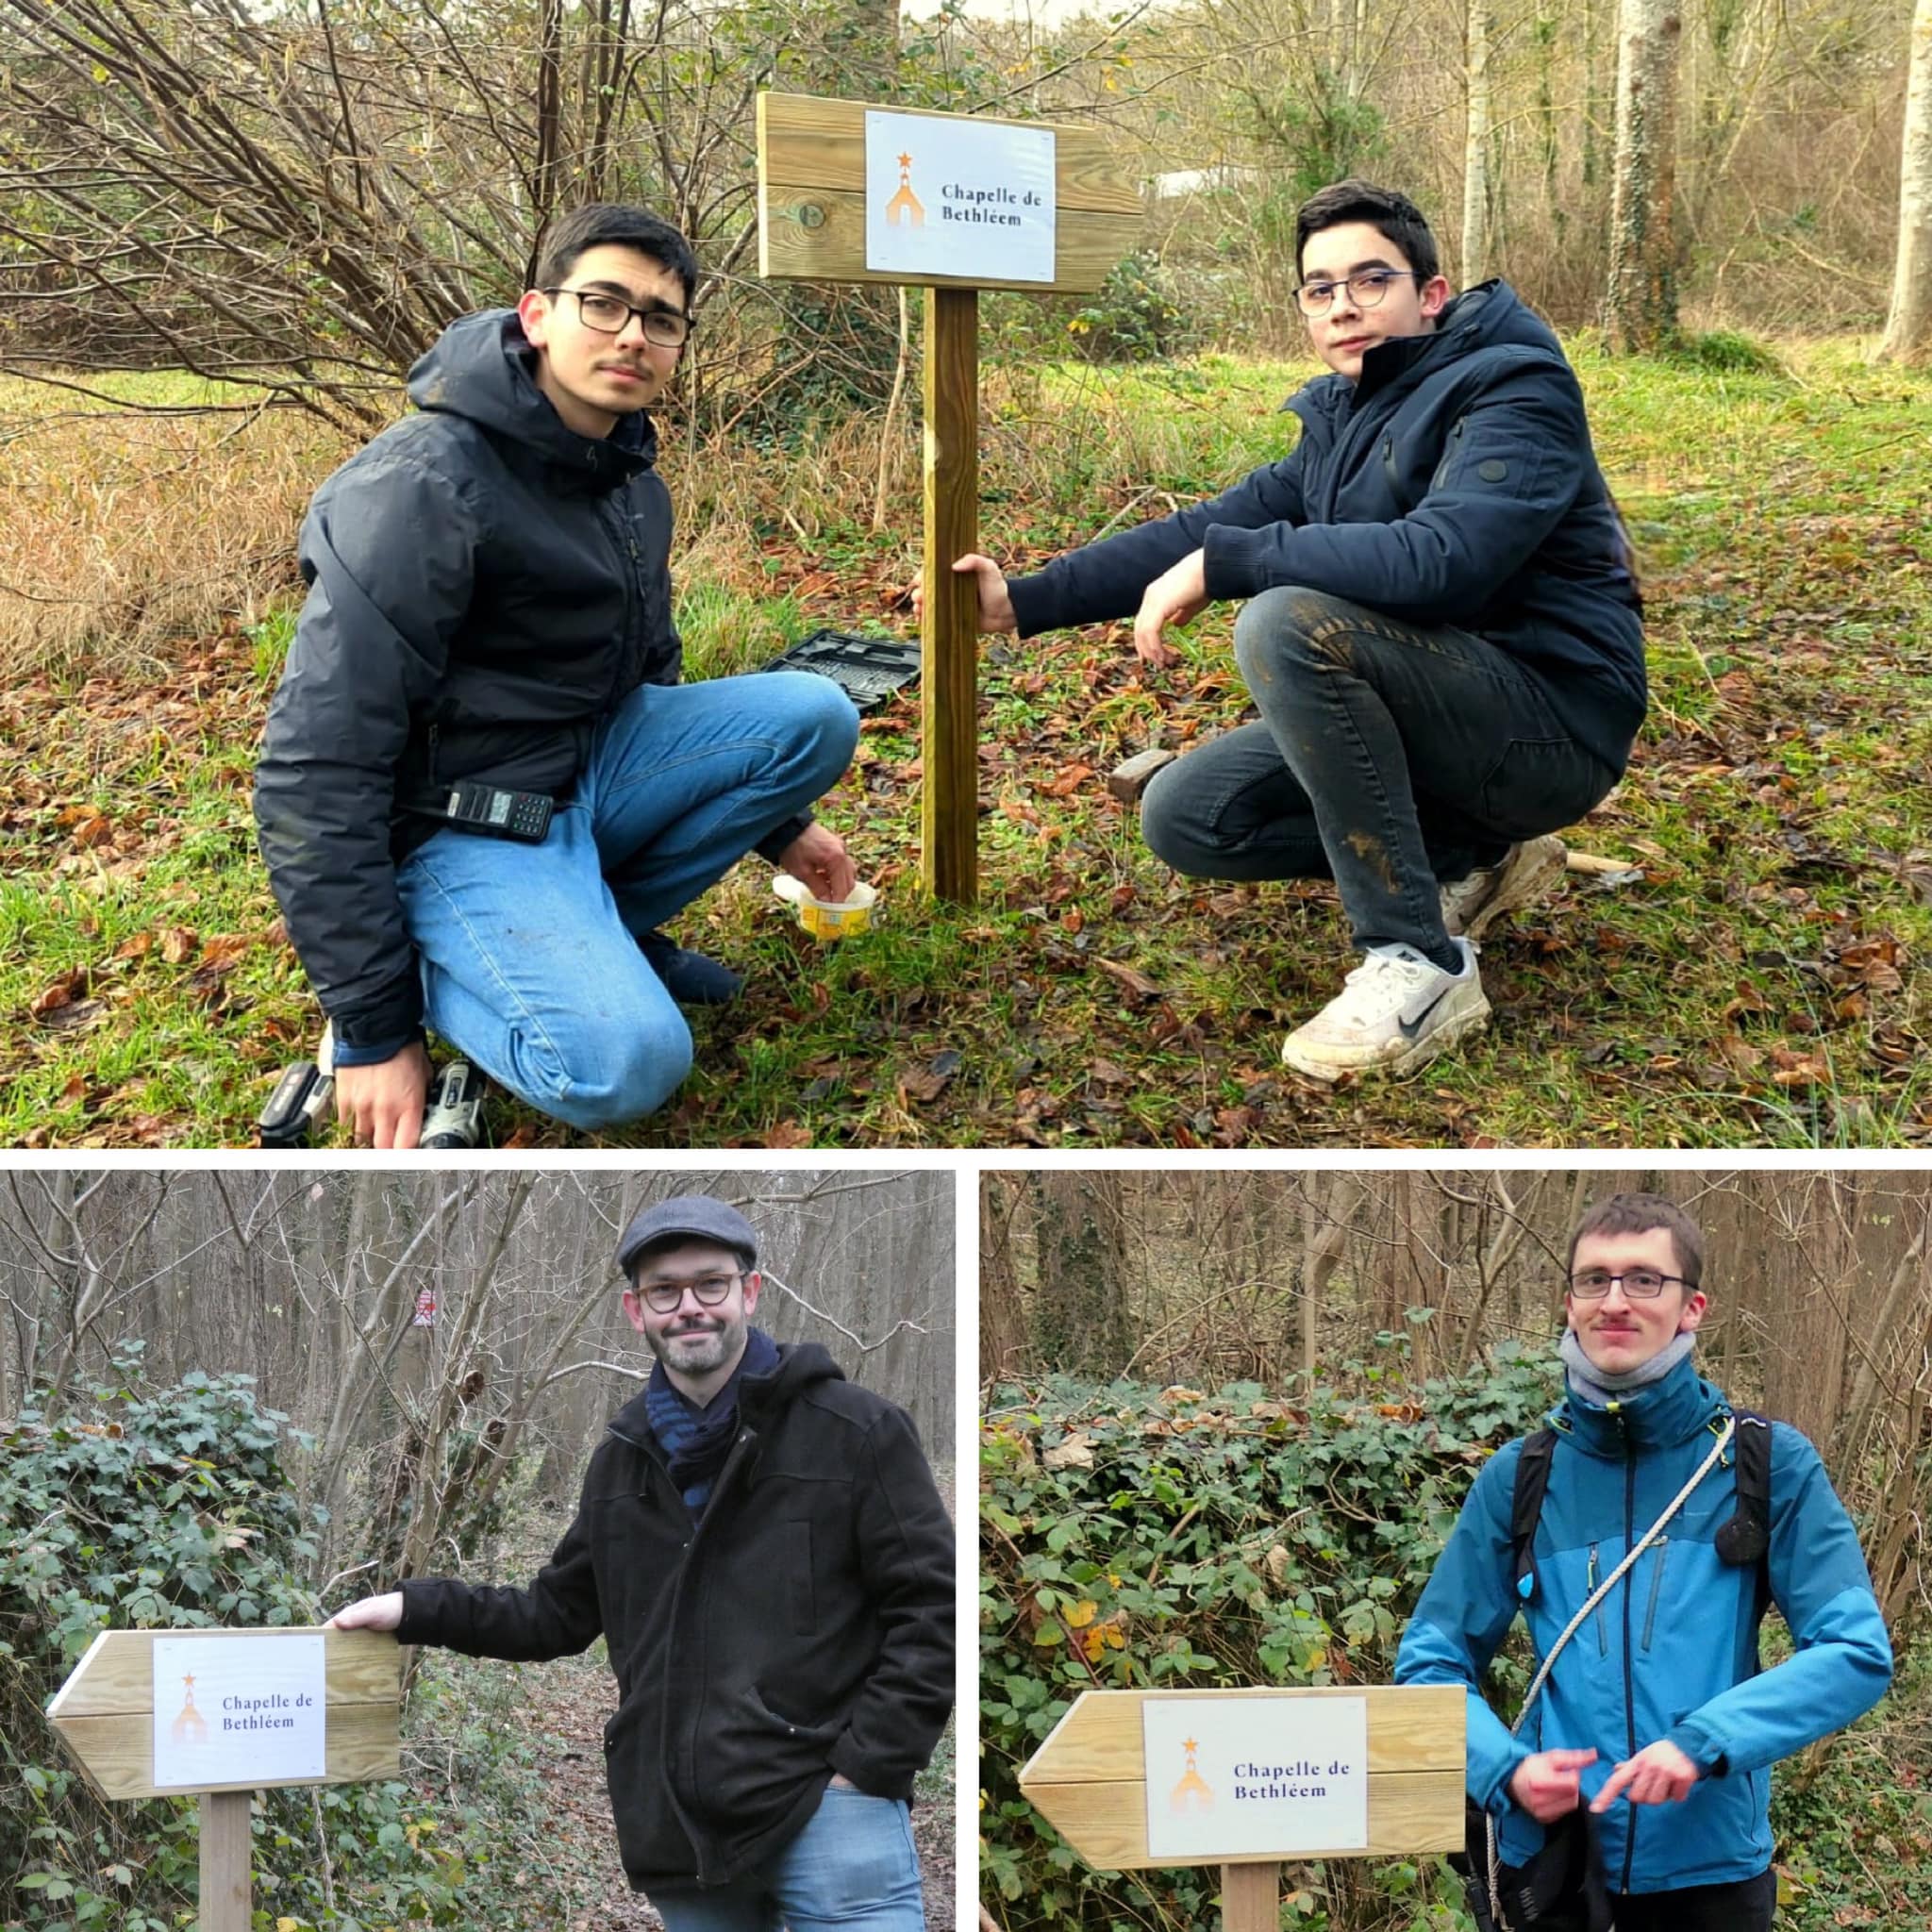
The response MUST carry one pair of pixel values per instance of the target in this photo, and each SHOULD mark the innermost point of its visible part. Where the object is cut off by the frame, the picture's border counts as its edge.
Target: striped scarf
(697, 1439)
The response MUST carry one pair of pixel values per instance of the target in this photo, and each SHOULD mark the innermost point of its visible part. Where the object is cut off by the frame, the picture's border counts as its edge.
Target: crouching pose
(1442, 633)
(483, 787)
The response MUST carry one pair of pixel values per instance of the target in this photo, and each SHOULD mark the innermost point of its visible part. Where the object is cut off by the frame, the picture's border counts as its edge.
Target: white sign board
(232, 1711)
(1229, 1777)
(958, 198)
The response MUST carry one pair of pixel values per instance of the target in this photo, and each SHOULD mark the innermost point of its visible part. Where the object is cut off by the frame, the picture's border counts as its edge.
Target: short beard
(699, 1353)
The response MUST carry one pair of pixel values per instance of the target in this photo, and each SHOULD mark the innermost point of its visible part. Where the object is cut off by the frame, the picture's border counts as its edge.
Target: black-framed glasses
(666, 1297)
(1639, 1284)
(1366, 288)
(609, 315)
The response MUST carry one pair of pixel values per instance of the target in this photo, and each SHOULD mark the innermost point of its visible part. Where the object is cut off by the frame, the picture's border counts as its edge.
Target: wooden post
(949, 810)
(813, 215)
(226, 1905)
(1251, 1898)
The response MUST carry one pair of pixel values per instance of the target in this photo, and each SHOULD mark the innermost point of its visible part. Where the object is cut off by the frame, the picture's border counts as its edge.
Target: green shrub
(1134, 1538)
(169, 1510)
(1726, 353)
(1137, 315)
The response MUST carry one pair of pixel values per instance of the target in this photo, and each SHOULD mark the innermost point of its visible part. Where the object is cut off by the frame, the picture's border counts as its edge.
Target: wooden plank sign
(105, 1713)
(222, 1713)
(1133, 1779)
(953, 203)
(812, 197)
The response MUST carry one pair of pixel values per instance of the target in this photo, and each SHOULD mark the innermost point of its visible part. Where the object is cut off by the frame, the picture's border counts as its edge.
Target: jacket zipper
(1629, 1688)
(1603, 1635)
(632, 620)
(732, 1462)
(1656, 1589)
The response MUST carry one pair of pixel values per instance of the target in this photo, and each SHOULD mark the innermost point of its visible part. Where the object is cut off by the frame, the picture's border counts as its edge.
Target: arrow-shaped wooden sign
(234, 1706)
(222, 1713)
(1230, 1789)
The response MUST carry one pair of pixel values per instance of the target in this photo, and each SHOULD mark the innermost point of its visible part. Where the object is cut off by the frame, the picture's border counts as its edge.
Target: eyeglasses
(1366, 288)
(666, 1297)
(1639, 1284)
(611, 316)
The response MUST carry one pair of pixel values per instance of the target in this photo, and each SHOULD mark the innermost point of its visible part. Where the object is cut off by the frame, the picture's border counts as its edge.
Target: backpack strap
(1746, 1537)
(1744, 1540)
(1526, 1506)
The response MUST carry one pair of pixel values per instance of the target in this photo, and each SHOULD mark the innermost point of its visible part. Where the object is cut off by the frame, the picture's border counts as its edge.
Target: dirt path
(579, 1695)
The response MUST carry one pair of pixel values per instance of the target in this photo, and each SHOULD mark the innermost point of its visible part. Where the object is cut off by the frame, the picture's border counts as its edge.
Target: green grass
(1760, 984)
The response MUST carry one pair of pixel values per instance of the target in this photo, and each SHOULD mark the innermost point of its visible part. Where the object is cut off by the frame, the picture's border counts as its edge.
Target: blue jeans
(854, 1866)
(529, 955)
(1390, 757)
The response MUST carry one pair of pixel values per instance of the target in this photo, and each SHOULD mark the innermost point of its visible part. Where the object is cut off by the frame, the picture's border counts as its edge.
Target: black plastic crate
(868, 669)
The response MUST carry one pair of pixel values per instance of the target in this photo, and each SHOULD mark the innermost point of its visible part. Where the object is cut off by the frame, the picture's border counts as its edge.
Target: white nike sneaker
(1525, 872)
(1396, 1010)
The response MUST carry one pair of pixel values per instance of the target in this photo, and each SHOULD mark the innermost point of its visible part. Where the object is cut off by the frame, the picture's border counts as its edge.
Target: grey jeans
(1388, 757)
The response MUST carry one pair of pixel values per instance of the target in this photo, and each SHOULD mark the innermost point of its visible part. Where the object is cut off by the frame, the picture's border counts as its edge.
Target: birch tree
(1908, 327)
(1641, 303)
(1476, 189)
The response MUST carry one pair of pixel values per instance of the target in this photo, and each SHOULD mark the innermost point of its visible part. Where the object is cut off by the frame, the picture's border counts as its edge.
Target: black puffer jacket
(1453, 483)
(485, 585)
(802, 1626)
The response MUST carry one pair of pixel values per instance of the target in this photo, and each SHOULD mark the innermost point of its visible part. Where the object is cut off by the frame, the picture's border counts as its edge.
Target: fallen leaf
(929, 1081)
(1076, 1452)
(1131, 977)
(63, 992)
(177, 945)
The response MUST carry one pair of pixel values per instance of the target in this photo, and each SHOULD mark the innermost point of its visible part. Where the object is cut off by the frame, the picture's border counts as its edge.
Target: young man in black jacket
(1443, 636)
(489, 615)
(763, 1549)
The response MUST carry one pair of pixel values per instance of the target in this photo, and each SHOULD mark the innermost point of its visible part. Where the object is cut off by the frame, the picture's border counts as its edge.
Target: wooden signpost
(222, 1713)
(1246, 1778)
(961, 218)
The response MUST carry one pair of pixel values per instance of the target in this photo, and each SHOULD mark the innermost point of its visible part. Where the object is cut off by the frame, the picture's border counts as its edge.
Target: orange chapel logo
(906, 209)
(190, 1727)
(1193, 1793)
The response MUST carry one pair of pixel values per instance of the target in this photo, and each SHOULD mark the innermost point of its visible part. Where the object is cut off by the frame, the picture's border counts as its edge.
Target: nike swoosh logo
(1411, 1028)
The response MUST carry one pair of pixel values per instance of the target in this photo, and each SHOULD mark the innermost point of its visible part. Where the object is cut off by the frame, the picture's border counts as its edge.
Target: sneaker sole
(1534, 874)
(1438, 1040)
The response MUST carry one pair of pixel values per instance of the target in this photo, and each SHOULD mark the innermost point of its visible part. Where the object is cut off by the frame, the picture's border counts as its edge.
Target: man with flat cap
(762, 1546)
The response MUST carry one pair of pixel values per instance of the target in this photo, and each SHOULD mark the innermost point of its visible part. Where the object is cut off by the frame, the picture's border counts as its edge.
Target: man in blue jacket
(1656, 1713)
(488, 648)
(1442, 633)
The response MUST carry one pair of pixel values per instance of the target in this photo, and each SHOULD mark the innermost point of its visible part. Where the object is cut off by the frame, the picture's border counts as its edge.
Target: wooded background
(1821, 1293)
(303, 194)
(311, 1282)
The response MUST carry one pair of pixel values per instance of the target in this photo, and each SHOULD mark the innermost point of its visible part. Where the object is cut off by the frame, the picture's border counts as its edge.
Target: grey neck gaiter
(1598, 1386)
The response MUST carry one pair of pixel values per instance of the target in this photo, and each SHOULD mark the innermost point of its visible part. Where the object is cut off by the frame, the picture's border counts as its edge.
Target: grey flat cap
(689, 1217)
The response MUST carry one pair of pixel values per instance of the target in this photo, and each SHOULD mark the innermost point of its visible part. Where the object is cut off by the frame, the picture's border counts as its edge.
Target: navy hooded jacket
(1672, 1651)
(1454, 483)
(485, 587)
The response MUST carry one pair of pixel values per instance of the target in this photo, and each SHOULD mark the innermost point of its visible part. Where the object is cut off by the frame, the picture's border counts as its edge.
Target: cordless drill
(453, 1116)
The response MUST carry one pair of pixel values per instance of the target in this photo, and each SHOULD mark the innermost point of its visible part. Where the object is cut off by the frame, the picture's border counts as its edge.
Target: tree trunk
(1642, 304)
(1476, 239)
(1908, 327)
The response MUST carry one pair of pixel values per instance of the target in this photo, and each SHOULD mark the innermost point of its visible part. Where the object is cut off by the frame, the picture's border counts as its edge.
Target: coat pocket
(799, 1595)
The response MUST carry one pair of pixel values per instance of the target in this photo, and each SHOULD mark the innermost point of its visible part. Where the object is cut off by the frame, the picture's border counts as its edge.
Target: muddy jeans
(1390, 757)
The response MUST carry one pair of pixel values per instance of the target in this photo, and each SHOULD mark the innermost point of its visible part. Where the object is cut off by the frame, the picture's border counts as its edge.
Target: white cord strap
(1576, 1623)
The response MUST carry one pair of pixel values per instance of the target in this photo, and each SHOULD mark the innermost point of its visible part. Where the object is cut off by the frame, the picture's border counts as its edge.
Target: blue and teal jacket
(1672, 1651)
